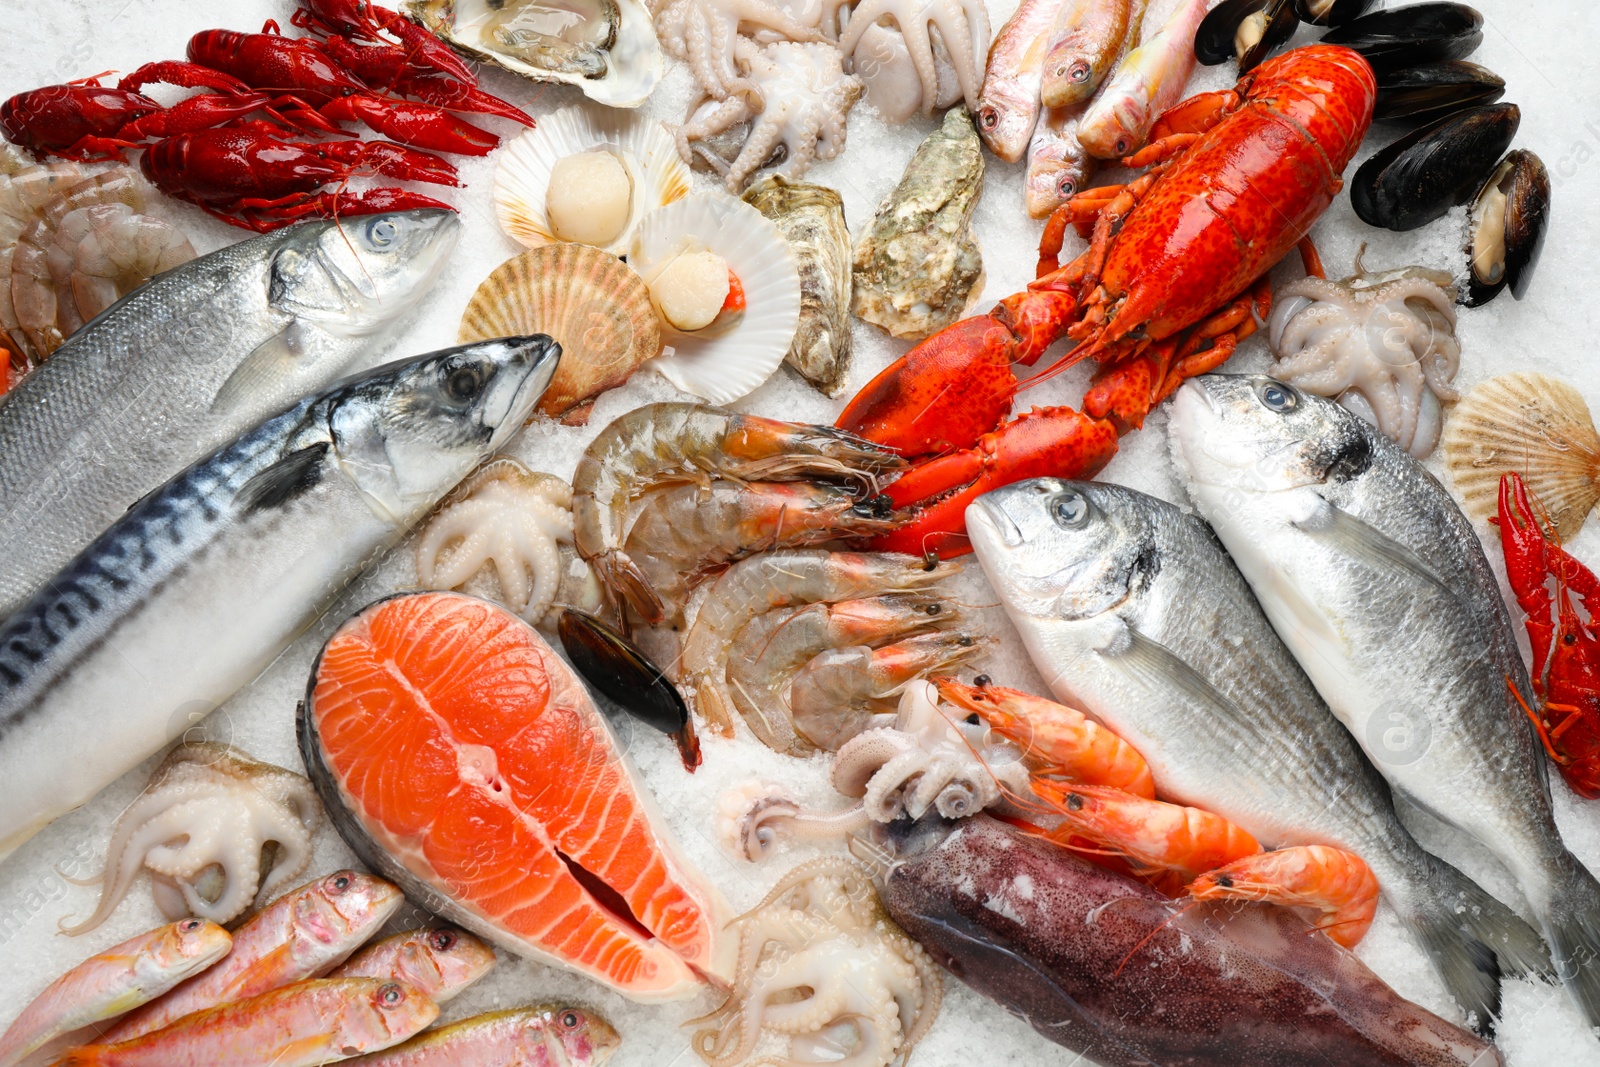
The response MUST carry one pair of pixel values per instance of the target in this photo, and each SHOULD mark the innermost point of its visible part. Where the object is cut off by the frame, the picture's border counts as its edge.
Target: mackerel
(1131, 610)
(1379, 586)
(191, 360)
(200, 585)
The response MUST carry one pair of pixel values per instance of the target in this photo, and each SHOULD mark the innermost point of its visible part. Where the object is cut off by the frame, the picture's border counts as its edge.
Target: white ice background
(1544, 50)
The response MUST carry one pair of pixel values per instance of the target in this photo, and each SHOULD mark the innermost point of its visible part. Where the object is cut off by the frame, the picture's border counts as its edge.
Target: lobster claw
(1526, 550)
(412, 123)
(1058, 442)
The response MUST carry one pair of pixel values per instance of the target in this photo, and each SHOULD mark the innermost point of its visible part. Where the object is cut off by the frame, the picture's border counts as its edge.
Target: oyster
(811, 218)
(607, 48)
(918, 267)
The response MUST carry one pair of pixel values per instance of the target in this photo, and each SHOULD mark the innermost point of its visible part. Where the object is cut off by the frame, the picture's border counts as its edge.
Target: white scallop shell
(724, 367)
(646, 150)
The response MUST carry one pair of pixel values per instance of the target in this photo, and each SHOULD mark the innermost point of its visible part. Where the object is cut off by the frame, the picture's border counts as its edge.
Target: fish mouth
(506, 410)
(991, 519)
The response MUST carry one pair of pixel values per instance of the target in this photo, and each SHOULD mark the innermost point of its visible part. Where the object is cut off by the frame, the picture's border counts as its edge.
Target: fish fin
(1571, 922)
(1155, 666)
(286, 479)
(81, 1056)
(1354, 537)
(261, 373)
(1473, 939)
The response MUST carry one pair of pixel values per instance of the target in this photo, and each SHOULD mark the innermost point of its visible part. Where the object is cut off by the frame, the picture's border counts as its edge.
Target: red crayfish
(1566, 645)
(1172, 280)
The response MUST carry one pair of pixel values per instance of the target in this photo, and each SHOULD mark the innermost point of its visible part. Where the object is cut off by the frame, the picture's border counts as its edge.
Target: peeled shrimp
(686, 530)
(1069, 743)
(1337, 885)
(771, 648)
(761, 583)
(841, 692)
(671, 443)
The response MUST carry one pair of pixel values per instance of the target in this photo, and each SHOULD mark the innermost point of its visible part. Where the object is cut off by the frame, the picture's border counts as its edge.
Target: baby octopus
(519, 521)
(796, 104)
(821, 965)
(933, 36)
(1383, 345)
(704, 33)
(216, 829)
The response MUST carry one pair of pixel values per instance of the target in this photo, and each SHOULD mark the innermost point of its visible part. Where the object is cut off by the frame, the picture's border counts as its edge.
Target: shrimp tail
(617, 571)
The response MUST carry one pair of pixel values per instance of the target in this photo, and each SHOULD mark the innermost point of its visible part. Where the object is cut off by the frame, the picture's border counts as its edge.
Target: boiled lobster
(1566, 645)
(1173, 278)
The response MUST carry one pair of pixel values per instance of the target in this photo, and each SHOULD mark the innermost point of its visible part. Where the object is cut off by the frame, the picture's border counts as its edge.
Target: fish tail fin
(1571, 920)
(81, 1056)
(1474, 941)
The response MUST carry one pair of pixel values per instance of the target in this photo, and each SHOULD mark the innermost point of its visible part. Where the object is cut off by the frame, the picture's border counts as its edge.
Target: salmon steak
(462, 758)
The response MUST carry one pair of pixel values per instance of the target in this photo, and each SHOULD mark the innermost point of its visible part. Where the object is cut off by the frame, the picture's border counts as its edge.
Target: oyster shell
(644, 147)
(607, 48)
(918, 267)
(811, 218)
(592, 303)
(722, 365)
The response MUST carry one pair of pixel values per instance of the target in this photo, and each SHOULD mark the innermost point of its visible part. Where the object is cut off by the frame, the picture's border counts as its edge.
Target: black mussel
(1406, 36)
(1213, 41)
(1330, 12)
(1422, 175)
(1423, 94)
(1265, 32)
(616, 666)
(1507, 228)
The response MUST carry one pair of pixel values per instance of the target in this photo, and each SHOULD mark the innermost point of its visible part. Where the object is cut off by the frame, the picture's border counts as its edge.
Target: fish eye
(1277, 396)
(189, 926)
(442, 940)
(570, 1020)
(462, 384)
(338, 883)
(1123, 146)
(1066, 187)
(382, 232)
(390, 995)
(1079, 72)
(1070, 510)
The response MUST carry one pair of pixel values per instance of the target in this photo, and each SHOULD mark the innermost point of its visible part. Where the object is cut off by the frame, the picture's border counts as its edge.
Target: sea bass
(1109, 968)
(1130, 609)
(1378, 585)
(191, 360)
(547, 1035)
(1084, 44)
(1148, 81)
(1008, 103)
(203, 582)
(300, 935)
(114, 982)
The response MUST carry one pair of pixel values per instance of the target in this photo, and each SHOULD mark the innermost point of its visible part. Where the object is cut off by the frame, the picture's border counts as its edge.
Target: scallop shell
(722, 368)
(595, 306)
(1536, 426)
(633, 60)
(646, 150)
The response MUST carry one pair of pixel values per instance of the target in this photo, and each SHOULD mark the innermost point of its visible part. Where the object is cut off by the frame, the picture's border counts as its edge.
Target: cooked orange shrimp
(1068, 742)
(773, 647)
(683, 531)
(672, 443)
(771, 580)
(1152, 834)
(842, 691)
(1337, 885)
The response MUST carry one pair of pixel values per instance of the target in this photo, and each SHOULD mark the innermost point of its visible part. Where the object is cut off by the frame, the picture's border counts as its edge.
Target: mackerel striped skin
(190, 361)
(201, 584)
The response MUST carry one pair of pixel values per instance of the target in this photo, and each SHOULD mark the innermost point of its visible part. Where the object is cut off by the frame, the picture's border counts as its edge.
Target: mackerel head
(208, 578)
(191, 360)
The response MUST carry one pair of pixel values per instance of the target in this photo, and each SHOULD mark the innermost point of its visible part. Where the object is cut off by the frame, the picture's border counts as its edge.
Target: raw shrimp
(1154, 836)
(669, 443)
(120, 251)
(761, 583)
(1069, 743)
(683, 531)
(771, 648)
(840, 692)
(1336, 884)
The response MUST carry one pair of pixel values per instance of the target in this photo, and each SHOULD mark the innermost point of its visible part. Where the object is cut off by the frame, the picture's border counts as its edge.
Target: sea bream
(191, 360)
(1131, 610)
(1375, 580)
(203, 582)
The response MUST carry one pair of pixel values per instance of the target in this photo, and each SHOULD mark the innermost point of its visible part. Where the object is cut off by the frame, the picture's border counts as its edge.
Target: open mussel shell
(617, 668)
(1422, 175)
(1507, 228)
(1408, 36)
(1213, 41)
(1265, 32)
(1424, 94)
(1330, 12)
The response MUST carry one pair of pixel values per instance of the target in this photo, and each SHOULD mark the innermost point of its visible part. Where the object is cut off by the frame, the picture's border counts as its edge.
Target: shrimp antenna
(1147, 937)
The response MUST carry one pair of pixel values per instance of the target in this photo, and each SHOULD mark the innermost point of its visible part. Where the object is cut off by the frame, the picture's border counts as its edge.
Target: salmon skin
(458, 755)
